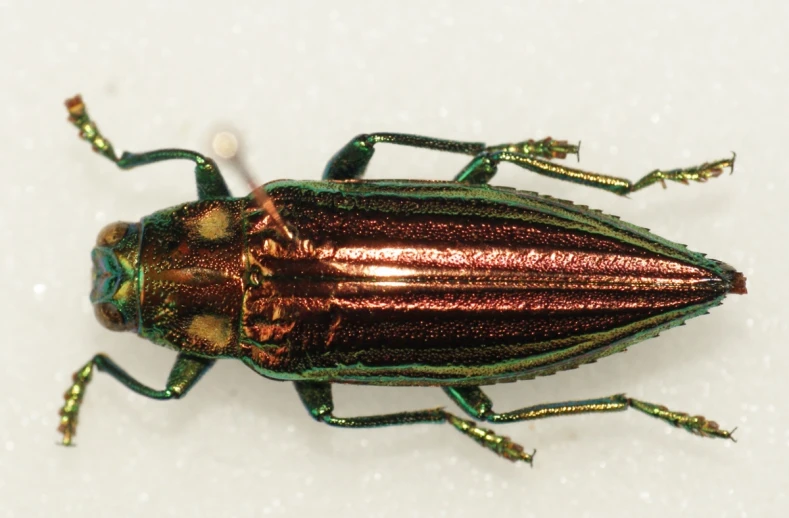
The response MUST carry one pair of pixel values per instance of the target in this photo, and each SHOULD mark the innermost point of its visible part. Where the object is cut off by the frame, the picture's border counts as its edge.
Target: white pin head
(227, 146)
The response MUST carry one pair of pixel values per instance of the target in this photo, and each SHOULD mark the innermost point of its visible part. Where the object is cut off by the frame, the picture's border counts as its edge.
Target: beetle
(454, 284)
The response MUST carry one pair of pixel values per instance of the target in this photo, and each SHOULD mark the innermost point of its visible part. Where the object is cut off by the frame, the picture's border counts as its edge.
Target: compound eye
(112, 234)
(110, 317)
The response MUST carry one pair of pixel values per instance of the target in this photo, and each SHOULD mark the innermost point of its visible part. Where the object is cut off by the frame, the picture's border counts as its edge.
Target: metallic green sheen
(327, 333)
(450, 284)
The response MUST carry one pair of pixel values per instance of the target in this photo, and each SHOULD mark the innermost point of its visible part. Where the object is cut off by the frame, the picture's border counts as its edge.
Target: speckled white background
(645, 85)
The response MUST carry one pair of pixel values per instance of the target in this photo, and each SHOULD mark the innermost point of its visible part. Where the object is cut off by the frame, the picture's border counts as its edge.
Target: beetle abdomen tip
(738, 284)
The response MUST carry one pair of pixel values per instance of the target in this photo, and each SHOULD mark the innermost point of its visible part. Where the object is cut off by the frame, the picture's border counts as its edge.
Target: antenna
(227, 146)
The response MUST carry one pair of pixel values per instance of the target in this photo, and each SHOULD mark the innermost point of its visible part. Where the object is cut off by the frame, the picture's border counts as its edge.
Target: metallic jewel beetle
(454, 284)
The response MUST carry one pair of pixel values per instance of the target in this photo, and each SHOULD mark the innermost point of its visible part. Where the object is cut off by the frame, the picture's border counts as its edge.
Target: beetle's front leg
(478, 405)
(317, 398)
(184, 374)
(548, 148)
(210, 183)
(351, 161)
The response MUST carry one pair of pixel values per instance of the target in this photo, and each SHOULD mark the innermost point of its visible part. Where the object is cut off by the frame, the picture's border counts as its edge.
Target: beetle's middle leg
(317, 398)
(351, 161)
(186, 371)
(210, 183)
(479, 406)
(483, 167)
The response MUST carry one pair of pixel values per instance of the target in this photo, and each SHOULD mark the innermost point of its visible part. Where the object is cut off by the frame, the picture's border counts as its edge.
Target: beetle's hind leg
(210, 183)
(479, 406)
(317, 398)
(351, 161)
(184, 374)
(483, 167)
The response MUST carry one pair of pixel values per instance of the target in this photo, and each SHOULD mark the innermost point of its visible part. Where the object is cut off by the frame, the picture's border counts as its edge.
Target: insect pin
(453, 284)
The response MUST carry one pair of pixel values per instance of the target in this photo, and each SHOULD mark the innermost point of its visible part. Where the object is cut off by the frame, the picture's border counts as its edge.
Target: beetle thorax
(191, 277)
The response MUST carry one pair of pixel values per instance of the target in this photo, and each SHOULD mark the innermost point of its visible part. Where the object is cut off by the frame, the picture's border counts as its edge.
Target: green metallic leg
(317, 398)
(351, 161)
(475, 403)
(183, 376)
(210, 184)
(483, 167)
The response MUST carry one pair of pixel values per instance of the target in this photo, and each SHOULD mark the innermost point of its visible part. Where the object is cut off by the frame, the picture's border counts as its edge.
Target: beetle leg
(210, 183)
(317, 398)
(186, 371)
(483, 167)
(479, 406)
(351, 161)
(548, 148)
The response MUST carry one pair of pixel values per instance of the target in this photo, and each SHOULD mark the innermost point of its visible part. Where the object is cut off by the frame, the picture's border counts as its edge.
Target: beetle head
(115, 265)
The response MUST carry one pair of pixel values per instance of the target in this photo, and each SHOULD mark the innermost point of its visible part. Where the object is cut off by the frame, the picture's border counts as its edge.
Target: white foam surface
(644, 85)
